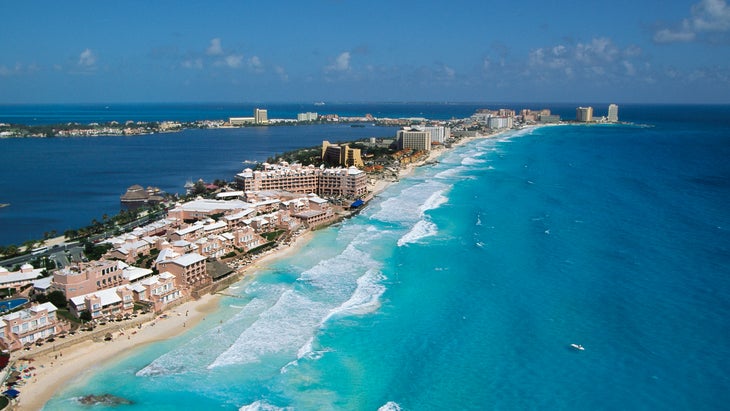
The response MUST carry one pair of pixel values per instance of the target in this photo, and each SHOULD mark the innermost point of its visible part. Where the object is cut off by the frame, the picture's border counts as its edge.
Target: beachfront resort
(203, 245)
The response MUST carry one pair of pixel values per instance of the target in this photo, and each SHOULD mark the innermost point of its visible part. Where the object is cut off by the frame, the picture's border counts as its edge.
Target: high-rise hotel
(612, 113)
(584, 114)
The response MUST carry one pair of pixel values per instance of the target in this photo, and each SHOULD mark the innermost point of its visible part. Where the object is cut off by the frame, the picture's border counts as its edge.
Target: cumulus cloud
(281, 72)
(233, 61)
(87, 59)
(193, 64)
(255, 64)
(708, 19)
(215, 48)
(600, 57)
(341, 63)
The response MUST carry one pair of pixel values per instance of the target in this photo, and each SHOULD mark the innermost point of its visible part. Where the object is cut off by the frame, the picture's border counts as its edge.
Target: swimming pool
(7, 305)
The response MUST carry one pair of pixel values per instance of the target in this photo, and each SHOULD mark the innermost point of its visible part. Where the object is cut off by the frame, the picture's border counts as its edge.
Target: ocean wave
(390, 406)
(471, 161)
(450, 173)
(409, 205)
(281, 329)
(422, 229)
(344, 284)
(263, 406)
(190, 357)
(365, 300)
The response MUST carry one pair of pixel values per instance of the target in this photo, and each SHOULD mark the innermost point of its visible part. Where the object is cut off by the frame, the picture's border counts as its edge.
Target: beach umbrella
(11, 393)
(108, 337)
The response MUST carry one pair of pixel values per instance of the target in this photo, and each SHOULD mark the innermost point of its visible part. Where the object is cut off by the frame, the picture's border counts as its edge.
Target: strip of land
(53, 368)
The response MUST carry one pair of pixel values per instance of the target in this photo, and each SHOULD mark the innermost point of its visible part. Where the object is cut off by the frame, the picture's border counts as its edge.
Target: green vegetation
(273, 235)
(66, 315)
(57, 298)
(85, 316)
(95, 251)
(306, 156)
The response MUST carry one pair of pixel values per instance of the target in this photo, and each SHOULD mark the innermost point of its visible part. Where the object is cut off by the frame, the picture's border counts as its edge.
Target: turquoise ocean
(463, 286)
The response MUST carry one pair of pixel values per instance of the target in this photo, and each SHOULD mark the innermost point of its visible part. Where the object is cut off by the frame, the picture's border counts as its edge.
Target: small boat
(577, 347)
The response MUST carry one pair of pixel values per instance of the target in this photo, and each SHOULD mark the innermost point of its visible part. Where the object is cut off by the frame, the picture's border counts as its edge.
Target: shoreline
(80, 360)
(53, 369)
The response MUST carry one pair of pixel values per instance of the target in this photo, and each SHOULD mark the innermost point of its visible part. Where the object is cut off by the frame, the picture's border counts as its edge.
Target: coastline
(84, 357)
(53, 369)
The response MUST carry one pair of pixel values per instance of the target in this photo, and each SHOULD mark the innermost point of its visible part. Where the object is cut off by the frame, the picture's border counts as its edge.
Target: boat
(577, 347)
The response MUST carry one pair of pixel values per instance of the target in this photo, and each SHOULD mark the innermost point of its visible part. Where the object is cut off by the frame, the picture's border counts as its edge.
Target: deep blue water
(64, 183)
(463, 286)
(34, 114)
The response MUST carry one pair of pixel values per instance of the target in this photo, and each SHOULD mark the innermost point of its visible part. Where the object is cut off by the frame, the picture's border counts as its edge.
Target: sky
(622, 51)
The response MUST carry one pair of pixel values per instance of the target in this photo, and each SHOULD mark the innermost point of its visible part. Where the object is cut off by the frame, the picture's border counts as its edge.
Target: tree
(199, 188)
(85, 315)
(58, 299)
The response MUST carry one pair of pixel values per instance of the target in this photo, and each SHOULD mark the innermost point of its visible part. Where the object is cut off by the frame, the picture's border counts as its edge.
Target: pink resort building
(31, 325)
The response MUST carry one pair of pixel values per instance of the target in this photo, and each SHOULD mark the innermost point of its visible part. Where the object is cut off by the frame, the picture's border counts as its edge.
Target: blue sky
(339, 50)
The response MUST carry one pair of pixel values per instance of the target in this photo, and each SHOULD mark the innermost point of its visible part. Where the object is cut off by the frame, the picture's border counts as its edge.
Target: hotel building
(308, 116)
(349, 182)
(341, 155)
(104, 304)
(498, 123)
(414, 139)
(188, 269)
(584, 114)
(612, 113)
(24, 327)
(261, 116)
(84, 278)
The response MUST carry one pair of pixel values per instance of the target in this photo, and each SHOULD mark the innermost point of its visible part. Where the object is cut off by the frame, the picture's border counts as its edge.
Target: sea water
(463, 286)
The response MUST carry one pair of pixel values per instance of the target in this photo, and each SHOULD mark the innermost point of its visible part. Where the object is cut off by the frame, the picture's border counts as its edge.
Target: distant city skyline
(338, 50)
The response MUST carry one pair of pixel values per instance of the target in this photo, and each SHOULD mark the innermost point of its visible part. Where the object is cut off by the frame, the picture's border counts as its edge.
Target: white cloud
(707, 19)
(342, 63)
(711, 15)
(599, 49)
(87, 59)
(233, 61)
(215, 48)
(630, 69)
(598, 58)
(450, 72)
(193, 64)
(254, 63)
(281, 73)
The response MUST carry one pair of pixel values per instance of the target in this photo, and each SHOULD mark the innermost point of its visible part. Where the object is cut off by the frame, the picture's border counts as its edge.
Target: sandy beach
(53, 368)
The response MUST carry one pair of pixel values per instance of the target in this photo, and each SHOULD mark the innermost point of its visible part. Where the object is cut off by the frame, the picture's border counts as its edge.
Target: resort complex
(201, 244)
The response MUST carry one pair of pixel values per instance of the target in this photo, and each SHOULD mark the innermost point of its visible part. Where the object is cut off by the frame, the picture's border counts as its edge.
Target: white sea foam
(365, 299)
(409, 205)
(345, 284)
(471, 161)
(422, 229)
(450, 173)
(263, 406)
(434, 201)
(197, 353)
(281, 329)
(390, 406)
